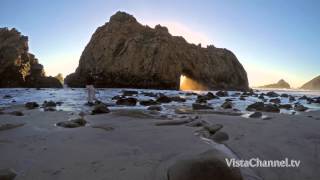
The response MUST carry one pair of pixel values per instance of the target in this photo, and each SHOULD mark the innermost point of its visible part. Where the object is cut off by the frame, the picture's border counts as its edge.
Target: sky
(273, 39)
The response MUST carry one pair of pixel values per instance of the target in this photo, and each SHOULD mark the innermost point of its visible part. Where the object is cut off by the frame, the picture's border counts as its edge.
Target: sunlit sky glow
(272, 39)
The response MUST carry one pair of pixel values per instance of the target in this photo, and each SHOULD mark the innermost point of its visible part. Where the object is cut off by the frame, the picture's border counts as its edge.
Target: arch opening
(187, 83)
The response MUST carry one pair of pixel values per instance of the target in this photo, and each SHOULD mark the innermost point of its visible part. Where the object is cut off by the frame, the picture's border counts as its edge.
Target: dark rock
(222, 93)
(271, 108)
(191, 94)
(198, 106)
(150, 94)
(242, 98)
(210, 165)
(19, 68)
(227, 105)
(148, 102)
(164, 99)
(129, 93)
(129, 54)
(49, 108)
(220, 136)
(117, 97)
(197, 123)
(285, 106)
(272, 94)
(178, 99)
(17, 113)
(7, 174)
(74, 123)
(261, 96)
(212, 129)
(127, 101)
(9, 126)
(100, 109)
(257, 106)
(155, 108)
(49, 104)
(275, 101)
(201, 99)
(7, 96)
(255, 115)
(285, 95)
(31, 105)
(299, 107)
(292, 98)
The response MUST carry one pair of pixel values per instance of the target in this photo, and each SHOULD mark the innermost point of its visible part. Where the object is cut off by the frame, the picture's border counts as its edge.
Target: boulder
(300, 107)
(49, 104)
(126, 54)
(155, 108)
(31, 105)
(178, 99)
(255, 115)
(73, 123)
(148, 102)
(285, 106)
(19, 68)
(164, 99)
(222, 93)
(127, 101)
(210, 165)
(200, 106)
(272, 94)
(275, 101)
(227, 105)
(220, 136)
(257, 106)
(212, 129)
(100, 109)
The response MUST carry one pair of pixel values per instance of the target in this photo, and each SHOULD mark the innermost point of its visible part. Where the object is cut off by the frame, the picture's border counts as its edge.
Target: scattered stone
(16, 113)
(209, 165)
(275, 101)
(201, 100)
(49, 108)
(164, 99)
(285, 106)
(198, 106)
(150, 94)
(129, 93)
(222, 93)
(257, 106)
(299, 107)
(220, 136)
(31, 105)
(255, 115)
(212, 129)
(178, 99)
(100, 109)
(74, 123)
(7, 174)
(117, 97)
(261, 96)
(49, 104)
(271, 108)
(242, 98)
(127, 101)
(9, 126)
(155, 108)
(272, 94)
(285, 95)
(7, 96)
(148, 102)
(292, 98)
(227, 105)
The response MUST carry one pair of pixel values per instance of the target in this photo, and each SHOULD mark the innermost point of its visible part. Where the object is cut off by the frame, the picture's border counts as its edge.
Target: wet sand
(125, 145)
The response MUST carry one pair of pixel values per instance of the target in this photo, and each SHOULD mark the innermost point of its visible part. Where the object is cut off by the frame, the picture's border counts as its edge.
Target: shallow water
(74, 99)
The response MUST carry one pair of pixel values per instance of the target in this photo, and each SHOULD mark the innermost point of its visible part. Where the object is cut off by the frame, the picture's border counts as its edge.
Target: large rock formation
(314, 84)
(18, 67)
(280, 84)
(124, 53)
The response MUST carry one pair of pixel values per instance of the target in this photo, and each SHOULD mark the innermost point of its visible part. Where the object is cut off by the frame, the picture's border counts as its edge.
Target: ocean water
(74, 99)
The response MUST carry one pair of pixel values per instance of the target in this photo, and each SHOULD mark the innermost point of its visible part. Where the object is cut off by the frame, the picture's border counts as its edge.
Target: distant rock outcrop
(314, 84)
(280, 84)
(124, 53)
(18, 67)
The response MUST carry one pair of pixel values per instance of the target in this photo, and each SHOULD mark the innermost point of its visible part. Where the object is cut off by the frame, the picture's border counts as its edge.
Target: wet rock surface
(7, 174)
(100, 109)
(73, 123)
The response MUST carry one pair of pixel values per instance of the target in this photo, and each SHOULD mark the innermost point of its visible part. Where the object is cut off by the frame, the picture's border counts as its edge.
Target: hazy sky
(273, 39)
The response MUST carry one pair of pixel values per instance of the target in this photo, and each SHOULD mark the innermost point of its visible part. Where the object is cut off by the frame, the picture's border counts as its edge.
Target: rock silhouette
(314, 84)
(18, 67)
(124, 53)
(280, 84)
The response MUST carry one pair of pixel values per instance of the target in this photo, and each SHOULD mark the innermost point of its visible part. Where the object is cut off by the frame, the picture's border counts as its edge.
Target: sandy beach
(126, 144)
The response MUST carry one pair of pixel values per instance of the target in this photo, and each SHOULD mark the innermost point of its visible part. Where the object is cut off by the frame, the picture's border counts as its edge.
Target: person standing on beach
(91, 90)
